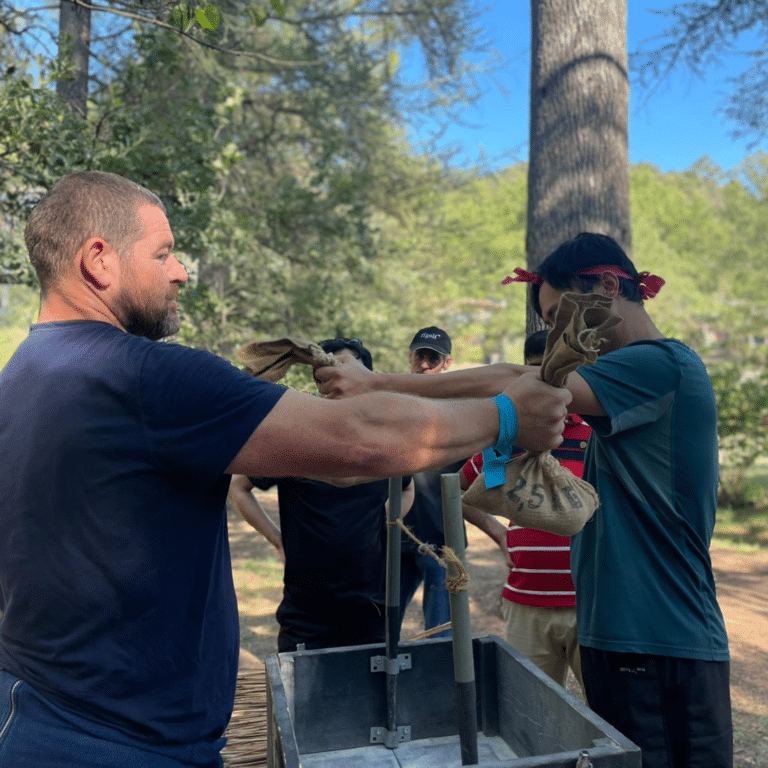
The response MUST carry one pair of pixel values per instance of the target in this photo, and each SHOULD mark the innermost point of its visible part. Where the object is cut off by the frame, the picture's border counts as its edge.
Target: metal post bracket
(391, 666)
(391, 739)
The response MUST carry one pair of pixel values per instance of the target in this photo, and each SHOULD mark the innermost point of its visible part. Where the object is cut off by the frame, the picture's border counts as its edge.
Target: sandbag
(581, 322)
(538, 492)
(270, 360)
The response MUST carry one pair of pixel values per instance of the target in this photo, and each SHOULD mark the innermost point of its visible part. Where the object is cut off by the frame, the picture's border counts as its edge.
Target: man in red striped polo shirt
(539, 599)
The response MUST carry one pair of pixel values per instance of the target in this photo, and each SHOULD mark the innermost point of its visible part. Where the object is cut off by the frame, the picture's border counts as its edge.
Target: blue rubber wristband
(507, 425)
(494, 468)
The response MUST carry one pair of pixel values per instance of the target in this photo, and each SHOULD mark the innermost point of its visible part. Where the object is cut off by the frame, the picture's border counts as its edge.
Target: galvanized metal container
(328, 709)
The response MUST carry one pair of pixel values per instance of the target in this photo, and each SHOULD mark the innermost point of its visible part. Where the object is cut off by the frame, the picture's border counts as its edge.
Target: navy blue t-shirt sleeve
(198, 409)
(634, 384)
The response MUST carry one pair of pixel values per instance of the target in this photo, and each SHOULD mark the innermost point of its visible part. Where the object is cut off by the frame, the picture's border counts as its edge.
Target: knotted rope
(459, 582)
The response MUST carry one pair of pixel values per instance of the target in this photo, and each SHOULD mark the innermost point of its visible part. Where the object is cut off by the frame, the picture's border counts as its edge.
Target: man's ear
(610, 285)
(98, 262)
(447, 363)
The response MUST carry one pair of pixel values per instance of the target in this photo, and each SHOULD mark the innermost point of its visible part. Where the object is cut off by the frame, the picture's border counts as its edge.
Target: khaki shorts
(546, 636)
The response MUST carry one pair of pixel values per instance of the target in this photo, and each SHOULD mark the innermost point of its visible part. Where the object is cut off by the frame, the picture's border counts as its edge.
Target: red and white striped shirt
(542, 572)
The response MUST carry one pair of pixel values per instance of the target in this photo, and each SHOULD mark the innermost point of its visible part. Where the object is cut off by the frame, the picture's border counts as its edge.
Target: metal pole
(463, 662)
(392, 608)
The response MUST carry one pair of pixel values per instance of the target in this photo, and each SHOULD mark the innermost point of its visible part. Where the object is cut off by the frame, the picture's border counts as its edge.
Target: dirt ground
(742, 583)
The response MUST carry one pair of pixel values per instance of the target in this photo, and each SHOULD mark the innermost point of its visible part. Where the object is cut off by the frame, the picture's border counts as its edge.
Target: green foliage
(298, 206)
(274, 149)
(741, 390)
(700, 230)
(298, 238)
(40, 141)
(208, 17)
(677, 233)
(745, 256)
(10, 338)
(744, 529)
(19, 305)
(462, 245)
(18, 309)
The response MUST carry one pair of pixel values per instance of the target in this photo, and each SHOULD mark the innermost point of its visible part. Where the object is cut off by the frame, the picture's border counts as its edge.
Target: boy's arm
(240, 494)
(491, 527)
(481, 381)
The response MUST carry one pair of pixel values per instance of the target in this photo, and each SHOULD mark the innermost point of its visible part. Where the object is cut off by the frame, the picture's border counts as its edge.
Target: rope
(429, 632)
(459, 582)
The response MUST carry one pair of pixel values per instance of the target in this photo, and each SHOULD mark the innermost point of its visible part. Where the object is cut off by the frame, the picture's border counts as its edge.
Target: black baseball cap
(353, 345)
(433, 338)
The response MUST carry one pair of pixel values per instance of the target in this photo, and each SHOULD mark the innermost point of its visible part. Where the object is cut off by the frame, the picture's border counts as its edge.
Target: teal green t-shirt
(644, 581)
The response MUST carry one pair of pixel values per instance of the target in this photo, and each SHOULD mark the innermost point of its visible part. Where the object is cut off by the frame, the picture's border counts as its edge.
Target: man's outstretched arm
(482, 381)
(389, 435)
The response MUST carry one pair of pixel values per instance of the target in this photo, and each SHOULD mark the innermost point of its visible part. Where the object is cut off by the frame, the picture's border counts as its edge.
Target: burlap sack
(581, 321)
(270, 360)
(538, 492)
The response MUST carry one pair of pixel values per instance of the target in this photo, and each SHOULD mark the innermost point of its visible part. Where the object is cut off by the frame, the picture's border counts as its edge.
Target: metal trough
(328, 709)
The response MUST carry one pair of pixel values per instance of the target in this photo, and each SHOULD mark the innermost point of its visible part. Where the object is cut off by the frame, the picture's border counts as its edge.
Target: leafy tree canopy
(275, 141)
(701, 230)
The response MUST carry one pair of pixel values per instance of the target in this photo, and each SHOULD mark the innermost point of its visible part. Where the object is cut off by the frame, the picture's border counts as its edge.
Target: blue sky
(671, 127)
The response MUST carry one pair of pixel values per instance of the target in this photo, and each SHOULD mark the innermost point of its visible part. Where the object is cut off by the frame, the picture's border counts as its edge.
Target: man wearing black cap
(430, 351)
(334, 545)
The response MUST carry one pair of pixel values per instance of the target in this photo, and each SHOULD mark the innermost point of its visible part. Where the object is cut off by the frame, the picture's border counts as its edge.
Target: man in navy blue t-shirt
(119, 636)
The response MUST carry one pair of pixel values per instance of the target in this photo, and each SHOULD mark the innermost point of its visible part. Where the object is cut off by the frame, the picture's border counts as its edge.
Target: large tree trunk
(578, 172)
(75, 42)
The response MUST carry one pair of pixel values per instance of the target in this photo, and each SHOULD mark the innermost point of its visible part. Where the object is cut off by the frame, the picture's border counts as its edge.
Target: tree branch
(280, 63)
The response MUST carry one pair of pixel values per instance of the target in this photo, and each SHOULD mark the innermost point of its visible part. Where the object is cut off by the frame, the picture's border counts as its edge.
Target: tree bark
(578, 171)
(75, 42)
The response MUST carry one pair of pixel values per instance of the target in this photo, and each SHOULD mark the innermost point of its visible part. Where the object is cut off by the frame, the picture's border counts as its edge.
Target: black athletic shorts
(678, 711)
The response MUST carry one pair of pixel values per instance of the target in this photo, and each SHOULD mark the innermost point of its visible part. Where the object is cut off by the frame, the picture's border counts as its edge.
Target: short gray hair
(78, 207)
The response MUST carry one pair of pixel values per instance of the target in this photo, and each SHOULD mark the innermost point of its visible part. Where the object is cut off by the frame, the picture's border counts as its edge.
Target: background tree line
(279, 143)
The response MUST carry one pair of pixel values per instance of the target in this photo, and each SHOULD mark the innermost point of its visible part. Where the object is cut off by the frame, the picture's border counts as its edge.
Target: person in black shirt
(333, 542)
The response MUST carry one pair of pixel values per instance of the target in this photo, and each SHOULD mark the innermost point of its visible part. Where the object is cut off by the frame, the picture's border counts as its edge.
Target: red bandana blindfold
(649, 284)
